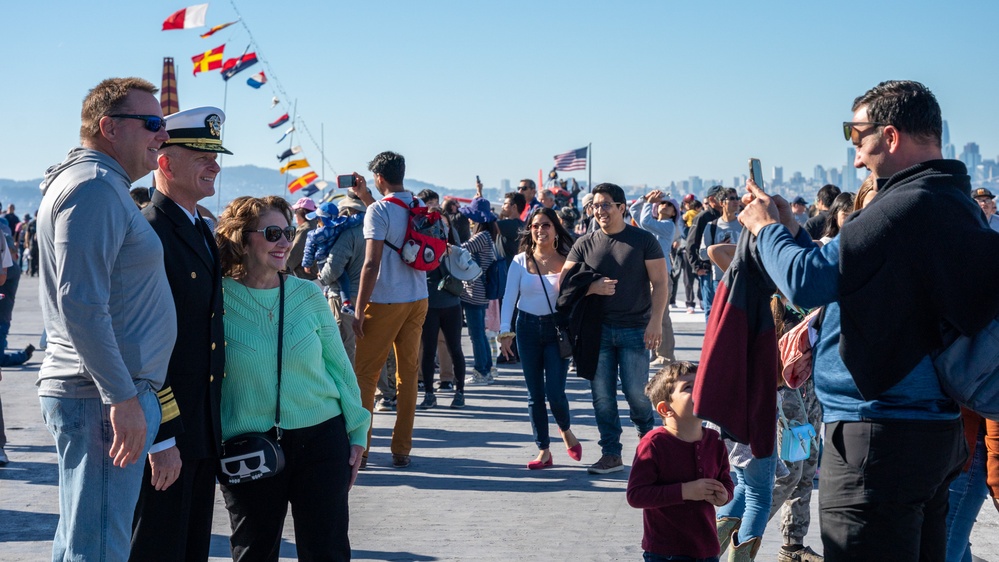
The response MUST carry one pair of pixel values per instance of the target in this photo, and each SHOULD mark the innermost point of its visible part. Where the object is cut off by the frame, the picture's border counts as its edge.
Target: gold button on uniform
(213, 345)
(211, 378)
(194, 275)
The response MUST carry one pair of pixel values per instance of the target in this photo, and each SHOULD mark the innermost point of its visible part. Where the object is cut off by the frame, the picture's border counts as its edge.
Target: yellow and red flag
(209, 60)
(212, 31)
(303, 181)
(295, 165)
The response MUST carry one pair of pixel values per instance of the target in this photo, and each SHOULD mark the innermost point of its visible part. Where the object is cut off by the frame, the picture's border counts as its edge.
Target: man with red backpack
(391, 300)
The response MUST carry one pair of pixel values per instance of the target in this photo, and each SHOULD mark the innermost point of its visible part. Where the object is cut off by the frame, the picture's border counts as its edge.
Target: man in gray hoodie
(109, 316)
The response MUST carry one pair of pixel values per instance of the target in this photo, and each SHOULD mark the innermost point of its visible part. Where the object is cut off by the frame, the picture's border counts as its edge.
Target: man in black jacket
(893, 439)
(173, 518)
(702, 267)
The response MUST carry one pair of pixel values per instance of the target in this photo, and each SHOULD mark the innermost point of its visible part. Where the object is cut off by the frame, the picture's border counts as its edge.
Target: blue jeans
(754, 489)
(622, 353)
(544, 373)
(96, 499)
(475, 320)
(707, 283)
(967, 494)
(9, 359)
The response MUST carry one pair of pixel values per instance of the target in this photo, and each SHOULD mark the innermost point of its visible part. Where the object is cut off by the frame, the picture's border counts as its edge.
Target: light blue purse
(795, 440)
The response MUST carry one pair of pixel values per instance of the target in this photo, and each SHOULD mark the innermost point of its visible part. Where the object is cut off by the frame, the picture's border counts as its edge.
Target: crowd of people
(218, 397)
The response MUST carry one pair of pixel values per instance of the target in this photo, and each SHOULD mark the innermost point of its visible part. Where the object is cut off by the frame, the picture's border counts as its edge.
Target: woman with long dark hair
(532, 287)
(840, 209)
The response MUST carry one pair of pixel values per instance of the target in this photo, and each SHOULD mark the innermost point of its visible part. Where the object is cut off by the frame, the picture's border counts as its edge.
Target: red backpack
(425, 243)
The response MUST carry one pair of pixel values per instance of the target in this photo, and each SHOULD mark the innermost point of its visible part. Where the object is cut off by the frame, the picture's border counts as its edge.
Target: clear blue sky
(664, 90)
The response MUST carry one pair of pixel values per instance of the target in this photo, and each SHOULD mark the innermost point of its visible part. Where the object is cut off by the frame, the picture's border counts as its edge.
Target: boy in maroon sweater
(680, 473)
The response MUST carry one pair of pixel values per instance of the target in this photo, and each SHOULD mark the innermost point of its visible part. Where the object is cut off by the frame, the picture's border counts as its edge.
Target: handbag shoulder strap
(783, 419)
(543, 287)
(280, 342)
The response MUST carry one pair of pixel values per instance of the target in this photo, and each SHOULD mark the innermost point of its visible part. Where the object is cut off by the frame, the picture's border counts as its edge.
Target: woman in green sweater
(323, 424)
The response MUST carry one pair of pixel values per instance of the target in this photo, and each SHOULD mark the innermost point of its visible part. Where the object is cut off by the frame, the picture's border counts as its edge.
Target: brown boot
(745, 552)
(727, 526)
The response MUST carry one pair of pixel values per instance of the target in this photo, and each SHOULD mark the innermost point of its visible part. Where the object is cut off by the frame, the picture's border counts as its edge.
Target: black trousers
(883, 489)
(176, 523)
(691, 284)
(315, 481)
(447, 320)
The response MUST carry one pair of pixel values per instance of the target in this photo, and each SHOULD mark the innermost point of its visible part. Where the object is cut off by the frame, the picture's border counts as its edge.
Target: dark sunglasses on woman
(273, 233)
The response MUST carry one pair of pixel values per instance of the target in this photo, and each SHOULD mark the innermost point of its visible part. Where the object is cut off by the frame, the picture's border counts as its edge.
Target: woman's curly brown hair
(240, 216)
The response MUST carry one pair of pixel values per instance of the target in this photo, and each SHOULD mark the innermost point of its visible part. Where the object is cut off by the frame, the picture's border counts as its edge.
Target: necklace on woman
(542, 261)
(270, 309)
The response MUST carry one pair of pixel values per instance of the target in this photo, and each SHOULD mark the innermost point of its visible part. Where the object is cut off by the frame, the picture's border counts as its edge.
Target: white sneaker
(491, 377)
(478, 379)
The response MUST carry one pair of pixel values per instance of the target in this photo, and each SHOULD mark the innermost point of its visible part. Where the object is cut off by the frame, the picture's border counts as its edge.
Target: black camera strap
(280, 342)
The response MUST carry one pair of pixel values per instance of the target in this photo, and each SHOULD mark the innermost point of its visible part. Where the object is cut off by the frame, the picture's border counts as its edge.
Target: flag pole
(218, 178)
(322, 147)
(589, 167)
(291, 139)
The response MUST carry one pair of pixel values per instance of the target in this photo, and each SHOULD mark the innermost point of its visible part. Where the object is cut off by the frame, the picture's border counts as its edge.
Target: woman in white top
(532, 287)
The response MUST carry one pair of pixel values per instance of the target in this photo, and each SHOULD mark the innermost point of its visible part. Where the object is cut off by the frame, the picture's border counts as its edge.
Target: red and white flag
(191, 16)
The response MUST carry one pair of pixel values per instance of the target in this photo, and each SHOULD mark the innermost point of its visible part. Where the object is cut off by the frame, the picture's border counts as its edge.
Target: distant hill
(25, 195)
(233, 182)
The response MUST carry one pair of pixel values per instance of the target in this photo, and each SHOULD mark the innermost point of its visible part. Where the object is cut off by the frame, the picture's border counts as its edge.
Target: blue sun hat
(478, 210)
(325, 211)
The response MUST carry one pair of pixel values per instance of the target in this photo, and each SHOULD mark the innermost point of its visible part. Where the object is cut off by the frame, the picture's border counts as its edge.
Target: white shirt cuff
(163, 445)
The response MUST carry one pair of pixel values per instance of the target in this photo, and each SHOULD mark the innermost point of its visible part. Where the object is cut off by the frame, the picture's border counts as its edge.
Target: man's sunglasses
(850, 133)
(153, 123)
(273, 233)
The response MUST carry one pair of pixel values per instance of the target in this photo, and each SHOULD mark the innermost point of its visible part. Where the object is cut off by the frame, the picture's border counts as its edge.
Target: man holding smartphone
(893, 439)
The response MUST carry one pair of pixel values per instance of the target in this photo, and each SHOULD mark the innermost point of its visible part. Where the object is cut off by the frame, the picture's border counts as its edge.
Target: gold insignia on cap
(214, 124)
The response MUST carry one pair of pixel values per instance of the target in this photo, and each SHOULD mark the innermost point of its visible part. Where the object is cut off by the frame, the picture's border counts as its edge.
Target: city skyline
(663, 91)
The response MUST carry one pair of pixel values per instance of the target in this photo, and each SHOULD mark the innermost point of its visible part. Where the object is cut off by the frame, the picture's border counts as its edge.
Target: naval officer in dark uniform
(173, 518)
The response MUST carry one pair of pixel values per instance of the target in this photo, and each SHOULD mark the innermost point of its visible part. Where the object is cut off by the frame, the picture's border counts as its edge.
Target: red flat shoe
(576, 452)
(538, 465)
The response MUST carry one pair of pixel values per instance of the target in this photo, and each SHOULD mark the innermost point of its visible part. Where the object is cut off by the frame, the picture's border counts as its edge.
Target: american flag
(572, 160)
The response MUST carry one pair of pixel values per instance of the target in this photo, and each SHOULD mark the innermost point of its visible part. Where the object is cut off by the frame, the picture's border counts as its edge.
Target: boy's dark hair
(611, 190)
(517, 199)
(663, 383)
(390, 165)
(906, 105)
(428, 195)
(827, 194)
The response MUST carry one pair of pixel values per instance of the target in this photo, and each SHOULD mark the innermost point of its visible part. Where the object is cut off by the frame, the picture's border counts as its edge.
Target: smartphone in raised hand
(756, 172)
(345, 181)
